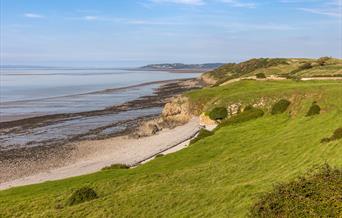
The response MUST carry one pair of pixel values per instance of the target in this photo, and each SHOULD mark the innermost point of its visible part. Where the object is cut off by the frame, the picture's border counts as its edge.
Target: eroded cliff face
(175, 113)
(207, 79)
(177, 110)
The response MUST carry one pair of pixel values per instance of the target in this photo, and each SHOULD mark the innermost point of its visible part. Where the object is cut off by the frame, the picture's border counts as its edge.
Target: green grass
(316, 194)
(285, 67)
(222, 175)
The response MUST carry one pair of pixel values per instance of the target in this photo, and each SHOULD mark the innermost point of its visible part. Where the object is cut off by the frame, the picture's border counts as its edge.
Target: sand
(93, 155)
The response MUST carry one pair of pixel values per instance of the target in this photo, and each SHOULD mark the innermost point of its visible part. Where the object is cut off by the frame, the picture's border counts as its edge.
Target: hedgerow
(312, 195)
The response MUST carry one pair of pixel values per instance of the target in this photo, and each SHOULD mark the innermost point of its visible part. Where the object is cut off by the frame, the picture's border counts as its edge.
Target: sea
(29, 92)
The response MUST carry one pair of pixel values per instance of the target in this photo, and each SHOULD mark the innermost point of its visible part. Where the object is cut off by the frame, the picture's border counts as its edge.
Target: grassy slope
(331, 67)
(221, 175)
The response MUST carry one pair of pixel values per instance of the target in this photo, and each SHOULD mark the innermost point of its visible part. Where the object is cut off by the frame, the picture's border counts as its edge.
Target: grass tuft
(82, 195)
(116, 166)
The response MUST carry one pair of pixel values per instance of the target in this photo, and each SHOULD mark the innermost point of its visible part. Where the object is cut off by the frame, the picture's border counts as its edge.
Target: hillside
(281, 67)
(222, 175)
(180, 66)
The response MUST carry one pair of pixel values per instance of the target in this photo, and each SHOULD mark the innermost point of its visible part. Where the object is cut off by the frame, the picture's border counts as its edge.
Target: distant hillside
(180, 66)
(281, 67)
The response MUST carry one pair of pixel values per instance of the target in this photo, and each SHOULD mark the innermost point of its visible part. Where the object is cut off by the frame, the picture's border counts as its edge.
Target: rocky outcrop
(149, 128)
(177, 111)
(234, 109)
(206, 121)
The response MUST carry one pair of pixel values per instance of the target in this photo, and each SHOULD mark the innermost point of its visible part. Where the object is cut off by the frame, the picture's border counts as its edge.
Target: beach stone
(148, 128)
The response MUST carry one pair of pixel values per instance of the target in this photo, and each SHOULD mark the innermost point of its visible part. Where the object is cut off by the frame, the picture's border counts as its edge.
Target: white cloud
(31, 15)
(239, 4)
(90, 18)
(323, 11)
(185, 2)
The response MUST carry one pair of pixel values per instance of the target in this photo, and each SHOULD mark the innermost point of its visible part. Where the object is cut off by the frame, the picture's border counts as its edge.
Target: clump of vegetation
(302, 67)
(336, 136)
(314, 110)
(248, 107)
(116, 166)
(323, 60)
(260, 76)
(280, 107)
(82, 195)
(218, 113)
(313, 195)
(244, 116)
(203, 133)
(159, 155)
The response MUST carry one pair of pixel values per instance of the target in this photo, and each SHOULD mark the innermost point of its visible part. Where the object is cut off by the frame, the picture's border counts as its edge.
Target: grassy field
(281, 67)
(219, 176)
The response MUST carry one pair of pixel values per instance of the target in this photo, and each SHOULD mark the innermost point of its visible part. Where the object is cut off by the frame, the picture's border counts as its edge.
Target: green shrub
(82, 195)
(314, 110)
(260, 76)
(312, 195)
(116, 166)
(323, 60)
(218, 113)
(159, 155)
(280, 107)
(203, 133)
(244, 116)
(336, 136)
(248, 107)
(304, 66)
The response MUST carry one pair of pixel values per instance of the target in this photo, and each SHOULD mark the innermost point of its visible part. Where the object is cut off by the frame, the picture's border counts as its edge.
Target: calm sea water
(31, 92)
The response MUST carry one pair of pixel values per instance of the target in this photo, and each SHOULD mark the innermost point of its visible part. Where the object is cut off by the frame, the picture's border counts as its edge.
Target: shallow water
(33, 92)
(68, 128)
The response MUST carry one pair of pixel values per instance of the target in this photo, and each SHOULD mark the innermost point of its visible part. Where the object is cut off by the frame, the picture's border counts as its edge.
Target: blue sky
(135, 32)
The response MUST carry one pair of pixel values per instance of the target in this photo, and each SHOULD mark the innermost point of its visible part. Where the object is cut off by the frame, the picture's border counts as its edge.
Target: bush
(203, 133)
(248, 107)
(116, 166)
(322, 61)
(336, 136)
(82, 195)
(244, 116)
(159, 155)
(280, 107)
(218, 113)
(260, 76)
(314, 110)
(304, 66)
(315, 194)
